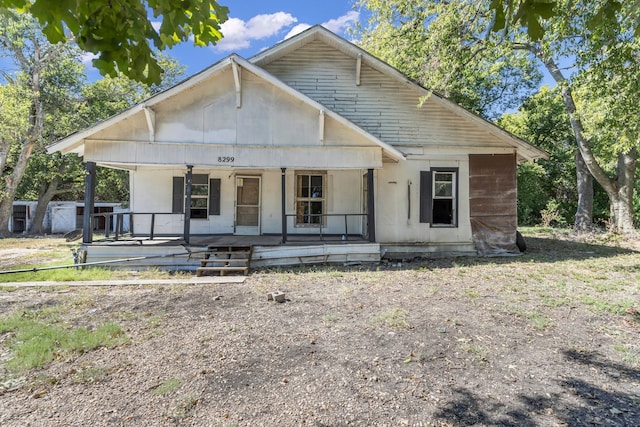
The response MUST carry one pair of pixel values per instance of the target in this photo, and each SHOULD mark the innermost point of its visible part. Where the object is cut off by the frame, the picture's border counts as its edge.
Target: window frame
(427, 196)
(179, 199)
(199, 180)
(298, 199)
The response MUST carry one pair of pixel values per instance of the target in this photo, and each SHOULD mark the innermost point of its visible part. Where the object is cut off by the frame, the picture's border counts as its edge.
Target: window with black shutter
(439, 196)
(205, 196)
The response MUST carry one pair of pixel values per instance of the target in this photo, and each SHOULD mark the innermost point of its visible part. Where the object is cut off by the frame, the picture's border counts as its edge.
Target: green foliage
(594, 42)
(531, 14)
(122, 33)
(68, 104)
(531, 178)
(542, 120)
(442, 45)
(551, 215)
(38, 338)
(607, 93)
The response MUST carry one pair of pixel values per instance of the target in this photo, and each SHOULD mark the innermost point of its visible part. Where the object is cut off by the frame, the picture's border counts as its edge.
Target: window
(310, 198)
(205, 196)
(443, 198)
(199, 196)
(439, 196)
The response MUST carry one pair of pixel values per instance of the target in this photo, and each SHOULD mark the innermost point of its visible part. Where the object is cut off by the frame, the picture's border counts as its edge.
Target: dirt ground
(551, 338)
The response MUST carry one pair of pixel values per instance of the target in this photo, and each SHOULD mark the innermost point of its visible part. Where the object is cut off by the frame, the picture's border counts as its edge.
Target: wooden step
(222, 270)
(229, 248)
(226, 253)
(204, 262)
(224, 259)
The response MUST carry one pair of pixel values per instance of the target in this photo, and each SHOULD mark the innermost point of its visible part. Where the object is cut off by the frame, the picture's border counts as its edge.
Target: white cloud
(297, 30)
(87, 57)
(339, 24)
(239, 34)
(335, 25)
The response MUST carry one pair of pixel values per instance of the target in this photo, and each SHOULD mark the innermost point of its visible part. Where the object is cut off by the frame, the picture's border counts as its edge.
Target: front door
(248, 205)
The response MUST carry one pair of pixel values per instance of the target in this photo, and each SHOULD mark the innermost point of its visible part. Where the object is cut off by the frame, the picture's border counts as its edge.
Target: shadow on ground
(539, 249)
(580, 403)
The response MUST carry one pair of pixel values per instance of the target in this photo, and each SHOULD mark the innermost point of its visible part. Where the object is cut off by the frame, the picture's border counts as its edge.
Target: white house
(312, 137)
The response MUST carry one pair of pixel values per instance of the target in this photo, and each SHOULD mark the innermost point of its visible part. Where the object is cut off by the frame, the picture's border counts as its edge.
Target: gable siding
(382, 106)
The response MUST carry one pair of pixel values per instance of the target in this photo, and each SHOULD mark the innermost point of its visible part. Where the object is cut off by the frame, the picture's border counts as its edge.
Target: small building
(313, 142)
(64, 216)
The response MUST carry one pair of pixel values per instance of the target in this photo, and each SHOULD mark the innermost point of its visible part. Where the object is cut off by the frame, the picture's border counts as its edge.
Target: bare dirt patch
(549, 338)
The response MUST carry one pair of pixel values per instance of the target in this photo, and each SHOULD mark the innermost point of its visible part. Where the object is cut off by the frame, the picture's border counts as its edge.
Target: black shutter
(178, 195)
(425, 196)
(214, 196)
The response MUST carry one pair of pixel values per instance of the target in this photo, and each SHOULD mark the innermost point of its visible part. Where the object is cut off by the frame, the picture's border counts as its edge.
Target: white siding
(271, 128)
(384, 107)
(152, 192)
(398, 210)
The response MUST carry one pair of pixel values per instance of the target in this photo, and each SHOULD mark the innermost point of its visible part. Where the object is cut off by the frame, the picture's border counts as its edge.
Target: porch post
(89, 199)
(371, 208)
(283, 192)
(187, 205)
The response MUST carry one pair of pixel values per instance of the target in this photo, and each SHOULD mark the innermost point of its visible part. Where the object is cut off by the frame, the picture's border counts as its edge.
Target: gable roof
(526, 150)
(74, 141)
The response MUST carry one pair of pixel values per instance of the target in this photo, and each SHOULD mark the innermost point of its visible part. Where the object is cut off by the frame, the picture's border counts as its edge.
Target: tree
(121, 32)
(606, 97)
(578, 32)
(531, 14)
(438, 44)
(609, 55)
(53, 176)
(542, 120)
(44, 71)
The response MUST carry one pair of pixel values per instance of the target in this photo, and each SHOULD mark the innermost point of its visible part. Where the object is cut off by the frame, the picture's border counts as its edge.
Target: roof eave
(69, 143)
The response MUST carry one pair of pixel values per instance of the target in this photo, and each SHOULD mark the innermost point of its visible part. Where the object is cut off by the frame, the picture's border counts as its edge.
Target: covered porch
(319, 205)
(309, 217)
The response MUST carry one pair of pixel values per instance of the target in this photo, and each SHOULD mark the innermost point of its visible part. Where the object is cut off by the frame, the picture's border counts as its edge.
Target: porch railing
(320, 224)
(118, 230)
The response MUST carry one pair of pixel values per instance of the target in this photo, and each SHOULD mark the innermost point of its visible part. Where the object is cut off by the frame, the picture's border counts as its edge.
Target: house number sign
(223, 159)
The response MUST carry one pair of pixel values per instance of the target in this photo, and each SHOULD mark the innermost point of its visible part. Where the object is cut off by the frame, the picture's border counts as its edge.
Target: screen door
(248, 205)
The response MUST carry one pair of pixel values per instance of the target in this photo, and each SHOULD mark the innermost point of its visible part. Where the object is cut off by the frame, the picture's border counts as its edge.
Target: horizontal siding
(265, 256)
(382, 106)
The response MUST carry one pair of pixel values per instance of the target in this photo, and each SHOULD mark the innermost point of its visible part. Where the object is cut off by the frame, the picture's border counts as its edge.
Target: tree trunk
(584, 211)
(11, 186)
(37, 224)
(4, 152)
(622, 203)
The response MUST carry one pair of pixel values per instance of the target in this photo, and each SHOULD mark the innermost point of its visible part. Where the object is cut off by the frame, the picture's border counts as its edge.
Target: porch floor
(234, 240)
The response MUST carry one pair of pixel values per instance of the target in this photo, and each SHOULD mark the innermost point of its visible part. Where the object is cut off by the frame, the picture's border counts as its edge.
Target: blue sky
(256, 25)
